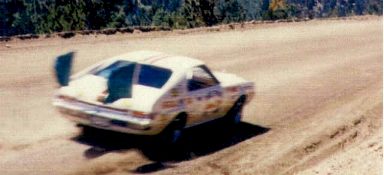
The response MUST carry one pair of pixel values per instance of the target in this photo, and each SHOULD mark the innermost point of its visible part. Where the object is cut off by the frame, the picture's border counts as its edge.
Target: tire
(165, 145)
(234, 115)
(172, 133)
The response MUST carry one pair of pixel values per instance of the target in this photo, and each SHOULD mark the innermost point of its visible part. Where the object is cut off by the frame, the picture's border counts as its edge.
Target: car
(149, 93)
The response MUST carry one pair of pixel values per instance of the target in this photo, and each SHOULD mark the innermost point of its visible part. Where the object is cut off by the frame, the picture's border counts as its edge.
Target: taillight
(139, 114)
(142, 115)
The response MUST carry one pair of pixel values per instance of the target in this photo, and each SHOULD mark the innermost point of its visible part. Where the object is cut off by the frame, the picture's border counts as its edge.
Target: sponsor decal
(212, 106)
(246, 88)
(169, 104)
(175, 92)
(163, 118)
(232, 89)
(181, 102)
(189, 101)
(212, 94)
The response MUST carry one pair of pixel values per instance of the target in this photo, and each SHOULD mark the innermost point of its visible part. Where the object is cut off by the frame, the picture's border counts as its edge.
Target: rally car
(149, 93)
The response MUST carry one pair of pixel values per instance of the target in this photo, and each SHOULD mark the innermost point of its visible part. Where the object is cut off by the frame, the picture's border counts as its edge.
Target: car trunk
(94, 90)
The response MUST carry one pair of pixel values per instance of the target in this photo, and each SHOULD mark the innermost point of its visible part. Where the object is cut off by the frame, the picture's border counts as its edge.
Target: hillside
(19, 17)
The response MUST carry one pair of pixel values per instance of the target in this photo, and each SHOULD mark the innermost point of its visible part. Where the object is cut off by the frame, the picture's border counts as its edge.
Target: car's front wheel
(234, 115)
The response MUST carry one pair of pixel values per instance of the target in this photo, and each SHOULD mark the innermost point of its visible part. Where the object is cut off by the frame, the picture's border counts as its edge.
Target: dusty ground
(318, 108)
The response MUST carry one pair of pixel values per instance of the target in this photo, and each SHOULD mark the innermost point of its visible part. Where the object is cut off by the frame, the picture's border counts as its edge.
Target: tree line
(47, 16)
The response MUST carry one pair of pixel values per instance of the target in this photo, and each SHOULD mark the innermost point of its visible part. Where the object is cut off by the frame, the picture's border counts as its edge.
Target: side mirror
(63, 66)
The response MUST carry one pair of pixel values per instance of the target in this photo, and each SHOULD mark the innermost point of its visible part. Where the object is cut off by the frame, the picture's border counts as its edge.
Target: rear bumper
(107, 119)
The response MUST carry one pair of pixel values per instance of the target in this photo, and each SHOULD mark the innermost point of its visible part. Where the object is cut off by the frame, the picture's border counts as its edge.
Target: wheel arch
(242, 97)
(182, 116)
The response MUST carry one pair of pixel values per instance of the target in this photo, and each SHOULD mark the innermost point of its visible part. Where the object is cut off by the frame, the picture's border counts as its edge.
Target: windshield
(151, 76)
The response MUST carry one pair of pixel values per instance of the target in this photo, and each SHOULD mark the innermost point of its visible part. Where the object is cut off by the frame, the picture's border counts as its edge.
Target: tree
(208, 11)
(252, 8)
(162, 18)
(189, 15)
(47, 16)
(231, 11)
(70, 15)
(277, 9)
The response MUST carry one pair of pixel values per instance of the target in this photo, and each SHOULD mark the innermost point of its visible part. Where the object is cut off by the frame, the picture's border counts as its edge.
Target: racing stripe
(158, 59)
(153, 57)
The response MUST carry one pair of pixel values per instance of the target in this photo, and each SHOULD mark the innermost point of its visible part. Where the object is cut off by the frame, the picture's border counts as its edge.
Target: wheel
(234, 115)
(172, 132)
(162, 146)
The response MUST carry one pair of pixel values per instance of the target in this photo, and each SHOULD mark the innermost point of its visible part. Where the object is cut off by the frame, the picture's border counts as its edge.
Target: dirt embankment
(318, 107)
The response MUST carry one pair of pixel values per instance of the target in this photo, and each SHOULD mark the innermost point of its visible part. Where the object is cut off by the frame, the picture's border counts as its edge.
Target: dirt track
(318, 107)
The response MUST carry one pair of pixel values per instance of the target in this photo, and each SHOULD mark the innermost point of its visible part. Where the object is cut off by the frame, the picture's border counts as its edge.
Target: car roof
(172, 62)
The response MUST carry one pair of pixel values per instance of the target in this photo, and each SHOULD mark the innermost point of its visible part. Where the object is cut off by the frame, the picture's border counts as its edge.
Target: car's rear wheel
(166, 144)
(172, 133)
(234, 115)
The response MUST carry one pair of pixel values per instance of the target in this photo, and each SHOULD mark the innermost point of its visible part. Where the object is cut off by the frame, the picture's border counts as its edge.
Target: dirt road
(318, 107)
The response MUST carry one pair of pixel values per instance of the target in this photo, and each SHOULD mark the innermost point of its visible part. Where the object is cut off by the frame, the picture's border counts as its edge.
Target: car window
(153, 76)
(106, 72)
(148, 76)
(201, 78)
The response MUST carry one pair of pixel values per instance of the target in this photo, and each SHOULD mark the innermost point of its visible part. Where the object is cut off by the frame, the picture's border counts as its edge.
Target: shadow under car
(195, 142)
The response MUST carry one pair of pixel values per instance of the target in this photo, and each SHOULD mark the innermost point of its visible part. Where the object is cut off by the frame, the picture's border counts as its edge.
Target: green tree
(231, 11)
(188, 16)
(70, 15)
(162, 18)
(208, 11)
(252, 8)
(47, 16)
(118, 18)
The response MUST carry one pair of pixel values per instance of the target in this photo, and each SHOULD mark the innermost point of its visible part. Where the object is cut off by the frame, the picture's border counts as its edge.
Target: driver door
(206, 94)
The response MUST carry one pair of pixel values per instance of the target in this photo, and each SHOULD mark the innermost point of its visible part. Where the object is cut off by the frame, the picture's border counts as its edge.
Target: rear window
(106, 72)
(153, 76)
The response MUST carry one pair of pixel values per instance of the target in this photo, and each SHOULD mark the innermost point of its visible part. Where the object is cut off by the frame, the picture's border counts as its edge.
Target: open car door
(63, 66)
(119, 81)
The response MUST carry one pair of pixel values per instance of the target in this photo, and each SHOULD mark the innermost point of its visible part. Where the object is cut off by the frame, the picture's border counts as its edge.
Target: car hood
(93, 89)
(227, 79)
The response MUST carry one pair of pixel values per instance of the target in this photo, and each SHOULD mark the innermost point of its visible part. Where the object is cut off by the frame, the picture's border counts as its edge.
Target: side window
(201, 78)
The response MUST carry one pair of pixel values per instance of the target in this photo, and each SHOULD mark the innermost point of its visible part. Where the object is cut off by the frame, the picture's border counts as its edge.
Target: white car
(149, 93)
